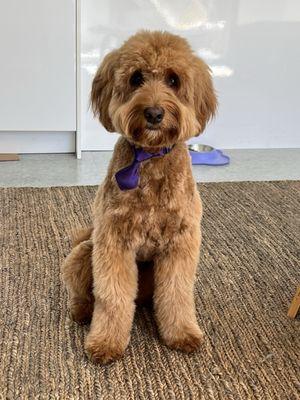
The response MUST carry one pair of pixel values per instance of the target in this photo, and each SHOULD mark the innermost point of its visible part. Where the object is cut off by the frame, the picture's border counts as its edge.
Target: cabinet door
(37, 68)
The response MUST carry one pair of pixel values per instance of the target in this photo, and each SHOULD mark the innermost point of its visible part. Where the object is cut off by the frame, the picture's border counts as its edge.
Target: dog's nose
(154, 115)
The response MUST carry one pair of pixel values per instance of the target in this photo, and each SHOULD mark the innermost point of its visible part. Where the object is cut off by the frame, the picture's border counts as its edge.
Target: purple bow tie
(128, 177)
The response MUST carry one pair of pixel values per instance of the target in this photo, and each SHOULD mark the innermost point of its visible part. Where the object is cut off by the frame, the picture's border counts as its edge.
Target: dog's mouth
(152, 127)
(131, 121)
(154, 136)
(160, 134)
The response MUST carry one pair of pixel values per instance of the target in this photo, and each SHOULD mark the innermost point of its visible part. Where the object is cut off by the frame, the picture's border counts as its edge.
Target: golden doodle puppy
(145, 238)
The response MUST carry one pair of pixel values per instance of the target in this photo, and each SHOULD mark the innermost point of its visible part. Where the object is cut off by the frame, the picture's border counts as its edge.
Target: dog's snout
(154, 115)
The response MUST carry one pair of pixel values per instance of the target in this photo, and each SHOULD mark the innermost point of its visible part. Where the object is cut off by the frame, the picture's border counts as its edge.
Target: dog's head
(153, 90)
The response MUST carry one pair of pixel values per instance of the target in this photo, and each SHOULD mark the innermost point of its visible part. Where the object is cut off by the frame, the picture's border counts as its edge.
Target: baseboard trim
(37, 142)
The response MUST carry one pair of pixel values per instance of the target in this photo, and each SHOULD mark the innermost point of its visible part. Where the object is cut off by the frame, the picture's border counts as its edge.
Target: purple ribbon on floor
(128, 178)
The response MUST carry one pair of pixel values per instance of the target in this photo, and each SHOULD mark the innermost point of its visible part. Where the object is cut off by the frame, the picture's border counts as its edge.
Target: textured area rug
(248, 272)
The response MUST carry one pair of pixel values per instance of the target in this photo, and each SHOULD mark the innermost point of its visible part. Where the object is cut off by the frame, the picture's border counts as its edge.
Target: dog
(145, 238)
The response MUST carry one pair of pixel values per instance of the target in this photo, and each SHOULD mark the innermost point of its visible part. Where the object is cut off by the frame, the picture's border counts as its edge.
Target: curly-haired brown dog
(156, 93)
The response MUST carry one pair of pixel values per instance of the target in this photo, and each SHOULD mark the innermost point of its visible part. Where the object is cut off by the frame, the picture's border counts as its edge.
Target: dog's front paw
(186, 340)
(102, 352)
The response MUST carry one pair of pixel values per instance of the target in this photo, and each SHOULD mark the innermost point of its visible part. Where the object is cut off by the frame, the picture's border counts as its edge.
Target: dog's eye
(136, 79)
(173, 80)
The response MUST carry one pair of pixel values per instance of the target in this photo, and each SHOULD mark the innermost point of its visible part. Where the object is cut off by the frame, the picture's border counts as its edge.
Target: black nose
(154, 115)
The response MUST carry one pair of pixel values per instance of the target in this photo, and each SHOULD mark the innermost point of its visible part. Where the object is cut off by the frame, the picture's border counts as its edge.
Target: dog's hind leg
(77, 276)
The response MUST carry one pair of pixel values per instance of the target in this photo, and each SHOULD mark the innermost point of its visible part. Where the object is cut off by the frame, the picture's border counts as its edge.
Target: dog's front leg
(115, 287)
(174, 295)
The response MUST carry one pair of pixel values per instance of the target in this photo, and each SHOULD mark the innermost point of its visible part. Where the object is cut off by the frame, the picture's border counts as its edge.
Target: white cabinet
(38, 65)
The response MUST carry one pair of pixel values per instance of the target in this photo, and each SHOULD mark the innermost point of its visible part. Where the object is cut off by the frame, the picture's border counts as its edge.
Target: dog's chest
(155, 216)
(155, 230)
(147, 218)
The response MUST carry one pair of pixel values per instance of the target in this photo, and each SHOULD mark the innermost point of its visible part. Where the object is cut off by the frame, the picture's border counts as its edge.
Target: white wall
(251, 46)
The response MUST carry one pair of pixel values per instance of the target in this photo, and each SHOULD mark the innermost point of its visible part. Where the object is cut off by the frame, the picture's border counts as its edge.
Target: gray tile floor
(65, 170)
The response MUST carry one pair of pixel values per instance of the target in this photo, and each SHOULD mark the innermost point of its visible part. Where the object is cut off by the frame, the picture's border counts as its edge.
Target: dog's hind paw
(81, 312)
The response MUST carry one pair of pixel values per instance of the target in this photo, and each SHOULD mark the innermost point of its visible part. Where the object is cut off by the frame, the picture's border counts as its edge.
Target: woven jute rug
(248, 272)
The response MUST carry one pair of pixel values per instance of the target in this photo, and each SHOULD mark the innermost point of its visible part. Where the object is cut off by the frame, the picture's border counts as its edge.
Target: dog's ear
(204, 94)
(102, 88)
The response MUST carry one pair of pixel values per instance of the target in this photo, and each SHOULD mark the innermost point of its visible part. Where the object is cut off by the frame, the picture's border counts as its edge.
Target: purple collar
(128, 178)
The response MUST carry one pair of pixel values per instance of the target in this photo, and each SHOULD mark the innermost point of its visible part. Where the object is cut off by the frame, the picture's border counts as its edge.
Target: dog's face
(153, 90)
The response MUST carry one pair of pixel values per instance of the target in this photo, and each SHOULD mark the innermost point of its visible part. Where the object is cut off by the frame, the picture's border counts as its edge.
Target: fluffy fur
(144, 242)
